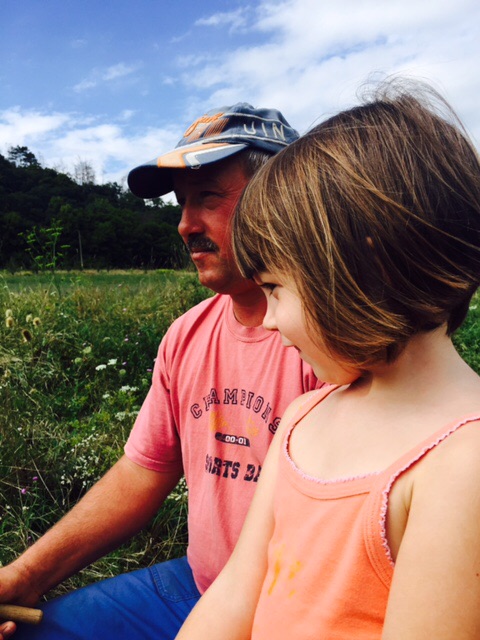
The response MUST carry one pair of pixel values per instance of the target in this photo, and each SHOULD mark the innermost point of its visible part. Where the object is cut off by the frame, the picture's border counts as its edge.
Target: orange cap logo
(206, 125)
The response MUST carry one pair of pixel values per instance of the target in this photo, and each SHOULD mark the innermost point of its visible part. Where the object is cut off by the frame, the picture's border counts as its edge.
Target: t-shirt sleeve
(154, 442)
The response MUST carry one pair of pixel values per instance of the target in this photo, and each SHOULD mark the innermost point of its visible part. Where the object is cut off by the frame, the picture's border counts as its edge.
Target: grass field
(76, 356)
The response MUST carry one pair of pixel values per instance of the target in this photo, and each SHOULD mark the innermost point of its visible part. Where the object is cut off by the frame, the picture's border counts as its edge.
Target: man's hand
(16, 585)
(114, 509)
(14, 589)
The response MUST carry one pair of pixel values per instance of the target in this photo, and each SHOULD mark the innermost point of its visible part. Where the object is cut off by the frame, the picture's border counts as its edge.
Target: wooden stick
(20, 614)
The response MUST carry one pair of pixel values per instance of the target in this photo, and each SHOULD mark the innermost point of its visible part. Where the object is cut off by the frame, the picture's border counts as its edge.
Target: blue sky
(115, 83)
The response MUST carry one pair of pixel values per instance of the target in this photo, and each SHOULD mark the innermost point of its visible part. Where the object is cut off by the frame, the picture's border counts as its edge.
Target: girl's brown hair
(375, 214)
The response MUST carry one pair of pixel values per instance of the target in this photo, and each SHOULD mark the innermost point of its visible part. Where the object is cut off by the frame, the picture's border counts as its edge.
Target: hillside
(102, 226)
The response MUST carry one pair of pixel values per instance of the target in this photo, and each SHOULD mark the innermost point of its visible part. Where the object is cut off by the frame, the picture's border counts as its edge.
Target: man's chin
(219, 283)
(207, 278)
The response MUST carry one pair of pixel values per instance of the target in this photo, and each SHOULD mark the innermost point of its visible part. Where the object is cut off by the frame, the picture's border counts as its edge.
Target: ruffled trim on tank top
(302, 411)
(423, 451)
(322, 481)
(392, 473)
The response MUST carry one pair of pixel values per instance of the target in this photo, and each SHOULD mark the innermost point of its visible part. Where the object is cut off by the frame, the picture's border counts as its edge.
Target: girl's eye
(267, 286)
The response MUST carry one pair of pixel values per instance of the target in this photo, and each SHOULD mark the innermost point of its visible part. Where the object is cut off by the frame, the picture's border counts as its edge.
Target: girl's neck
(383, 415)
(428, 364)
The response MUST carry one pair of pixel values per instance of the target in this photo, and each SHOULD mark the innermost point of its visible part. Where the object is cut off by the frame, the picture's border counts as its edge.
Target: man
(220, 385)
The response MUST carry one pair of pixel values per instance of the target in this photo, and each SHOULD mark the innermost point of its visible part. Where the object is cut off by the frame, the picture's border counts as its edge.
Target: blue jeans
(148, 603)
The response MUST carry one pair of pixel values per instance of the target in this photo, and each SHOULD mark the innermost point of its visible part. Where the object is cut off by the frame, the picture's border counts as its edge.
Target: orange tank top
(329, 566)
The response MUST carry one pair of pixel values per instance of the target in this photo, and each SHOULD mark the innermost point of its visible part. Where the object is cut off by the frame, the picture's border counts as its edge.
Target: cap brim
(154, 178)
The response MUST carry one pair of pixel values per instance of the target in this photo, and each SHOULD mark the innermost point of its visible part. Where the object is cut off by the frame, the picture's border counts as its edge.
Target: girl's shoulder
(452, 452)
(441, 490)
(300, 406)
(457, 451)
(307, 401)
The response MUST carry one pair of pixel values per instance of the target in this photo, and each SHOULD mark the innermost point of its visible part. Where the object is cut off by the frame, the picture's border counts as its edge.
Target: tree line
(51, 219)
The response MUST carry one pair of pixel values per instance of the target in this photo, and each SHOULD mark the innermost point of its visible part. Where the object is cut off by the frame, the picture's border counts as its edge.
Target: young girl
(365, 236)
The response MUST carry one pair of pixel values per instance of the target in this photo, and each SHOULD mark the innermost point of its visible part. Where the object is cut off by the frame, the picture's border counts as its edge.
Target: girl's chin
(334, 374)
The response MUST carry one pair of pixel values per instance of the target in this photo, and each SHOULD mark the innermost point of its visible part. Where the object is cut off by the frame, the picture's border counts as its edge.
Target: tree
(103, 225)
(22, 157)
(83, 173)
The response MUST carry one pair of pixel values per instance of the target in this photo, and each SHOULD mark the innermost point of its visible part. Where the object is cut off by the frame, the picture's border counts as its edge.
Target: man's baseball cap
(214, 136)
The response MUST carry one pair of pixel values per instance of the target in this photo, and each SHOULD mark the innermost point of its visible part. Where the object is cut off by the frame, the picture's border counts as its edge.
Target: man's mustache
(199, 242)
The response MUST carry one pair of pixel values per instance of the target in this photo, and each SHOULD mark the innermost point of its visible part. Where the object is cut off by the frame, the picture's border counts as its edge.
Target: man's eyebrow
(206, 185)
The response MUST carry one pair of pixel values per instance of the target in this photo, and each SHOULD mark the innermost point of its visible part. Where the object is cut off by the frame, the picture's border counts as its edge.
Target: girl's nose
(269, 319)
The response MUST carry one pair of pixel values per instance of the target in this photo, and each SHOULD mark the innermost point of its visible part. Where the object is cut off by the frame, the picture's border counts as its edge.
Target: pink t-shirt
(219, 390)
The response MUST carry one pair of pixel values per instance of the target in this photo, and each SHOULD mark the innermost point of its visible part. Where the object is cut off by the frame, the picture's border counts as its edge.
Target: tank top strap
(376, 512)
(314, 398)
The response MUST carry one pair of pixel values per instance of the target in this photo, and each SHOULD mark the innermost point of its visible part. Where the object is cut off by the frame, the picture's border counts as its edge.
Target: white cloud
(178, 38)
(79, 43)
(316, 53)
(18, 127)
(188, 61)
(127, 114)
(305, 57)
(99, 76)
(64, 140)
(84, 85)
(233, 19)
(118, 71)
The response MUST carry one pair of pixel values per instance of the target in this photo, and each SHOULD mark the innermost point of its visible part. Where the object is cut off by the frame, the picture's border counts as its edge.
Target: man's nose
(190, 222)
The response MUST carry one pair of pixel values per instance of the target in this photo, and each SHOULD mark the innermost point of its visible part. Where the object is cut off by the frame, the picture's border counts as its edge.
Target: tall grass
(76, 357)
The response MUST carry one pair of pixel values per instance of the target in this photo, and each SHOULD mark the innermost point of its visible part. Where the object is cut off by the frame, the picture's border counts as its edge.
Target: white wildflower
(126, 388)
